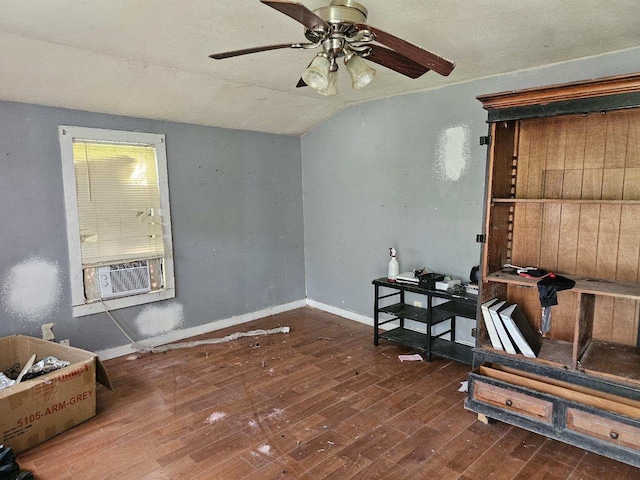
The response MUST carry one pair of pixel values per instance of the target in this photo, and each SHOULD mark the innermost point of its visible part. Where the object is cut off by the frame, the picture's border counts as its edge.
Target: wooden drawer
(516, 402)
(602, 428)
(563, 390)
(588, 416)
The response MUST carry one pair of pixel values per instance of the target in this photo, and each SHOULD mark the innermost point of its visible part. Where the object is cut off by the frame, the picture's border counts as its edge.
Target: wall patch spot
(452, 152)
(31, 290)
(154, 320)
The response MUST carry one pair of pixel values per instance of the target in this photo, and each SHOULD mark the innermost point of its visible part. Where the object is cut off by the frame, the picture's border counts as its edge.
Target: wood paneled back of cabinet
(581, 157)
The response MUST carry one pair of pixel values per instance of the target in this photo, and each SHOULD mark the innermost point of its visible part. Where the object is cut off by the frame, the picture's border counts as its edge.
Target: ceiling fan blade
(299, 13)
(409, 50)
(399, 63)
(301, 83)
(246, 51)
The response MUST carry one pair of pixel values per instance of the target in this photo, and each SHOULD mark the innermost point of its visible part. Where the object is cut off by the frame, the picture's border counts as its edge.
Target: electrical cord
(116, 322)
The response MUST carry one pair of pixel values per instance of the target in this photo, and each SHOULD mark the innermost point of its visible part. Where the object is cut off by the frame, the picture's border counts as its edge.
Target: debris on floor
(265, 449)
(410, 358)
(464, 386)
(214, 417)
(211, 341)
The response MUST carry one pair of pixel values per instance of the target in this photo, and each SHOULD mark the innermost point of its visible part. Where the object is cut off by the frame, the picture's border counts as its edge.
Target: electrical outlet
(47, 332)
(65, 342)
(417, 303)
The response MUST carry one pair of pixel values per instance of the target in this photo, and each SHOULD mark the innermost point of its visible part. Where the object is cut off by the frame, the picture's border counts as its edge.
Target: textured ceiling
(150, 58)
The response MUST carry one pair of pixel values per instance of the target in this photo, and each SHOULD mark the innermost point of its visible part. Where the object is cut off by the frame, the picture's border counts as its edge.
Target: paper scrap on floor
(410, 358)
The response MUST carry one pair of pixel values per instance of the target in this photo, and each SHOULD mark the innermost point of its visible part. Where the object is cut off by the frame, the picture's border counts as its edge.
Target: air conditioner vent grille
(124, 279)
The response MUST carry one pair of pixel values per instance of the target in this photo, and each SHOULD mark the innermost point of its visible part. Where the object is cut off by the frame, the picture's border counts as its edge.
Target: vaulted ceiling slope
(150, 59)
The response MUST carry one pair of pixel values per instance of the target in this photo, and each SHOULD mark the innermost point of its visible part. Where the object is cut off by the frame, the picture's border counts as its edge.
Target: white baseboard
(341, 312)
(177, 335)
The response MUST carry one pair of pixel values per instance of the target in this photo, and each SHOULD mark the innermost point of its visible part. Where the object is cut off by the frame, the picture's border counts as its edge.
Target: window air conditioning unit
(124, 279)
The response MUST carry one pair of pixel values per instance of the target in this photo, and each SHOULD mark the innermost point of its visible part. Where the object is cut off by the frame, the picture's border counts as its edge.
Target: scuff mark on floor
(265, 449)
(214, 417)
(275, 413)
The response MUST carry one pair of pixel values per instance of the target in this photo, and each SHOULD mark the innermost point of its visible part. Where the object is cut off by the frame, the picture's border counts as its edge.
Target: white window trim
(66, 135)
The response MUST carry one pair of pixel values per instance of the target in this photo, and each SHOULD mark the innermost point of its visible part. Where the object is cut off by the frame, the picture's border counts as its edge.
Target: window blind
(118, 202)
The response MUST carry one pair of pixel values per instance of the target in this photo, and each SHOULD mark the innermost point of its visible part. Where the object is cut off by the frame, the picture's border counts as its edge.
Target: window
(118, 223)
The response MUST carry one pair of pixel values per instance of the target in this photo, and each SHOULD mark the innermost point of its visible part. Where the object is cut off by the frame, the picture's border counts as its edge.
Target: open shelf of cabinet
(612, 359)
(629, 290)
(563, 195)
(607, 358)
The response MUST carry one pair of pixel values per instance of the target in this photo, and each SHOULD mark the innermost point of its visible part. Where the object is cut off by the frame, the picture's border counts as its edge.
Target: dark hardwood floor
(318, 403)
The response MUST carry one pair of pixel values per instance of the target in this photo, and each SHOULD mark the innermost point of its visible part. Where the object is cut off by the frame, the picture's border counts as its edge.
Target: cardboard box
(35, 410)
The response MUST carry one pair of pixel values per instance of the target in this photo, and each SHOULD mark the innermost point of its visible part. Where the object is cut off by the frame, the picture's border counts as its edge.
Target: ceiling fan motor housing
(342, 15)
(343, 11)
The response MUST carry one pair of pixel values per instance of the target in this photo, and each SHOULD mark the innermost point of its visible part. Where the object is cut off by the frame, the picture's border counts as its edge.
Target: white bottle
(394, 266)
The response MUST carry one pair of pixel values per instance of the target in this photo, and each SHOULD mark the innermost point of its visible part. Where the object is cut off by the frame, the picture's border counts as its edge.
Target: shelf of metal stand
(427, 343)
(445, 310)
(407, 337)
(402, 310)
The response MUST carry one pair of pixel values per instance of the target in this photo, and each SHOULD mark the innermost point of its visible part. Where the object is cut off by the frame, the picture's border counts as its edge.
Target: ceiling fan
(340, 31)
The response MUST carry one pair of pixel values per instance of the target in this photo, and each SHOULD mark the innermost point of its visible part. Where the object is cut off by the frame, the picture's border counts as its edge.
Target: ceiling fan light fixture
(332, 88)
(361, 73)
(316, 75)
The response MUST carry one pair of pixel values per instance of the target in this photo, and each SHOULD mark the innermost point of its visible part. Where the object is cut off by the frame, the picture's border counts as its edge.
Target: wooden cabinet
(563, 195)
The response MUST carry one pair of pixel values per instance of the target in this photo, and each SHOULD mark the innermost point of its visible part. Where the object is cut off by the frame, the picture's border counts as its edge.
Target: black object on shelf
(463, 305)
(428, 280)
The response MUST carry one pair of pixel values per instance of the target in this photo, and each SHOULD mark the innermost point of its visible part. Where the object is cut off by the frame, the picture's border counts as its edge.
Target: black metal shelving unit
(431, 315)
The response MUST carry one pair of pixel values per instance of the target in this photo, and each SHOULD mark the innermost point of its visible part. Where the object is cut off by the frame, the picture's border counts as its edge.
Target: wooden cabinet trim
(563, 92)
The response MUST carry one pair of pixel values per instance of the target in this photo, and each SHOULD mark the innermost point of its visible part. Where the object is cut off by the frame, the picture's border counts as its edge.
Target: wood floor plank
(319, 402)
(505, 458)
(542, 468)
(381, 468)
(371, 445)
(595, 466)
(415, 449)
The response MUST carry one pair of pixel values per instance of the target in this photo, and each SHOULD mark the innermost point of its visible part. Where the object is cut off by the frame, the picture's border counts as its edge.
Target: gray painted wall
(376, 176)
(236, 208)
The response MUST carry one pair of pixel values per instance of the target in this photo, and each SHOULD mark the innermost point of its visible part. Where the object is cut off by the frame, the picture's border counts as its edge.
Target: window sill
(123, 302)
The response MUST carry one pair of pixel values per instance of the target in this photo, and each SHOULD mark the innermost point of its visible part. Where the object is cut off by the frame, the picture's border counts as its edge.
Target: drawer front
(602, 428)
(516, 402)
